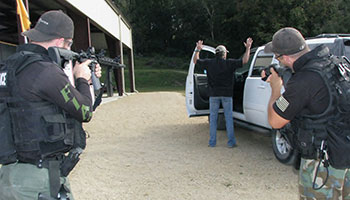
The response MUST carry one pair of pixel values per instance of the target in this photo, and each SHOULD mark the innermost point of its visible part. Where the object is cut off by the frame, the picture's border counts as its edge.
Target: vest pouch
(338, 144)
(7, 147)
(75, 133)
(80, 136)
(305, 144)
(54, 127)
(55, 139)
(71, 132)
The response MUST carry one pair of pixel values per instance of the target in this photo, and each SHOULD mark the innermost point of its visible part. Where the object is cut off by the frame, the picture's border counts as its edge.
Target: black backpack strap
(29, 58)
(16, 64)
(20, 60)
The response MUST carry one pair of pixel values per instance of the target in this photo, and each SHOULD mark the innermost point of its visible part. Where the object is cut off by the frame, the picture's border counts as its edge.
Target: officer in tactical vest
(308, 104)
(41, 119)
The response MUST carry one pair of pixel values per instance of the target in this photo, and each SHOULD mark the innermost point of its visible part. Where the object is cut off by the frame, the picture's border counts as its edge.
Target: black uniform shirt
(305, 93)
(220, 75)
(44, 80)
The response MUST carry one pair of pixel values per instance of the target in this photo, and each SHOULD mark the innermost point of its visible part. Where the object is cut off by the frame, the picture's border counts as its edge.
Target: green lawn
(157, 73)
(148, 80)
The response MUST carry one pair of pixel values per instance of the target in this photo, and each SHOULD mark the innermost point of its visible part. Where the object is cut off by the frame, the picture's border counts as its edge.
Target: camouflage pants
(336, 187)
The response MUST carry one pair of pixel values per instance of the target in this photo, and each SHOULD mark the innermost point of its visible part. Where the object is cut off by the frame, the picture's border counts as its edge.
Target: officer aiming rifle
(42, 113)
(316, 104)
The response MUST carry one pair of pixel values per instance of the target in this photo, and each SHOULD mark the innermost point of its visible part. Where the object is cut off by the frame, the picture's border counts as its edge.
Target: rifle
(63, 56)
(100, 58)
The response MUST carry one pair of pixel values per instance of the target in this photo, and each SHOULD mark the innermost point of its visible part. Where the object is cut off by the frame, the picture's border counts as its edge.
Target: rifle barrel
(106, 61)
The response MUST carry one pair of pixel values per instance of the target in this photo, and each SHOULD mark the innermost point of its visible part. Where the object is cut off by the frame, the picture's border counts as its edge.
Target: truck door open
(197, 92)
(258, 92)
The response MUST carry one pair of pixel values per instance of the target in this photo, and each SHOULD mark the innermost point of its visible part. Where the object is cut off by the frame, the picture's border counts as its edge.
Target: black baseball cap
(52, 24)
(286, 41)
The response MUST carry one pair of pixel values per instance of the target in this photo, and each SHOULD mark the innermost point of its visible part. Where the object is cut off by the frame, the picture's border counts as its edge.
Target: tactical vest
(32, 131)
(333, 125)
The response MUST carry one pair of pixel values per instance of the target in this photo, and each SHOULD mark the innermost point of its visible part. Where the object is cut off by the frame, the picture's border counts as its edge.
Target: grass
(148, 80)
(161, 62)
(158, 73)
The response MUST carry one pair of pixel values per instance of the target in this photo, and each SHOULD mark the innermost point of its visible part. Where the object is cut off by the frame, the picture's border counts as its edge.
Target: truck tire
(282, 149)
(221, 122)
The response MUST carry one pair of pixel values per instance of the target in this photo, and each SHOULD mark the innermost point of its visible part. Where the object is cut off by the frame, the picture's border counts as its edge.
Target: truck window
(243, 71)
(262, 60)
(331, 46)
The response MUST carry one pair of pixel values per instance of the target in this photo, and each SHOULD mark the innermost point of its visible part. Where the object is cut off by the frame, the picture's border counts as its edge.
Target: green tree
(171, 27)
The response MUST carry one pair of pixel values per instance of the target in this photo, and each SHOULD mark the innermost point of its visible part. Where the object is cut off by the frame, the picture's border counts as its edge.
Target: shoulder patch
(282, 103)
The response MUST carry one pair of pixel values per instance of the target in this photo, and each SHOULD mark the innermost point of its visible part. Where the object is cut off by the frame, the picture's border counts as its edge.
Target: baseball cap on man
(286, 41)
(220, 48)
(52, 24)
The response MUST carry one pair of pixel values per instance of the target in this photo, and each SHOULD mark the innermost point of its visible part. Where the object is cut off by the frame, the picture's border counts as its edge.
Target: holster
(57, 168)
(70, 161)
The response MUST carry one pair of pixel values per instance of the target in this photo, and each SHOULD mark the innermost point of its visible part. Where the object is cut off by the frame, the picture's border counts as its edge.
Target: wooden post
(114, 51)
(82, 36)
(21, 39)
(131, 71)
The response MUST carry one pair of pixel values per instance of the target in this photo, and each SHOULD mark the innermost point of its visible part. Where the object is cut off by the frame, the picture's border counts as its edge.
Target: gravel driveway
(144, 146)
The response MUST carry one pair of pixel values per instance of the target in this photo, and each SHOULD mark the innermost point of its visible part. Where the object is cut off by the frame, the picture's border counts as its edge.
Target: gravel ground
(144, 146)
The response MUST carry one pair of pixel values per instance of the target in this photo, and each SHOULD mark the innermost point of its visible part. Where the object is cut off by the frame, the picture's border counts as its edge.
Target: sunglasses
(68, 42)
(278, 57)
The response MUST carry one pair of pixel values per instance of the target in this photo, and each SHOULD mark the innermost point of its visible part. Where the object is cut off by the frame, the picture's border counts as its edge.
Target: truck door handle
(261, 86)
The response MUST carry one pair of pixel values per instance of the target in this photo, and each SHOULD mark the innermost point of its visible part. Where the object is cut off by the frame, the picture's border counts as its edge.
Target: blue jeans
(214, 104)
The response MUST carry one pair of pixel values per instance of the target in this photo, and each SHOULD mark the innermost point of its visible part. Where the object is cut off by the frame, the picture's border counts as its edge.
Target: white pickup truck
(251, 94)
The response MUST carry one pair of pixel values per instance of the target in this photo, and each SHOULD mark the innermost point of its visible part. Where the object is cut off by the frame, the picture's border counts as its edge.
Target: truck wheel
(282, 149)
(221, 122)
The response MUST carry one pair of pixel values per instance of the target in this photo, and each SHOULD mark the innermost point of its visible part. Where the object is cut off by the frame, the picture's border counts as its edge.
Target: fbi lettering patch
(282, 103)
(3, 79)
